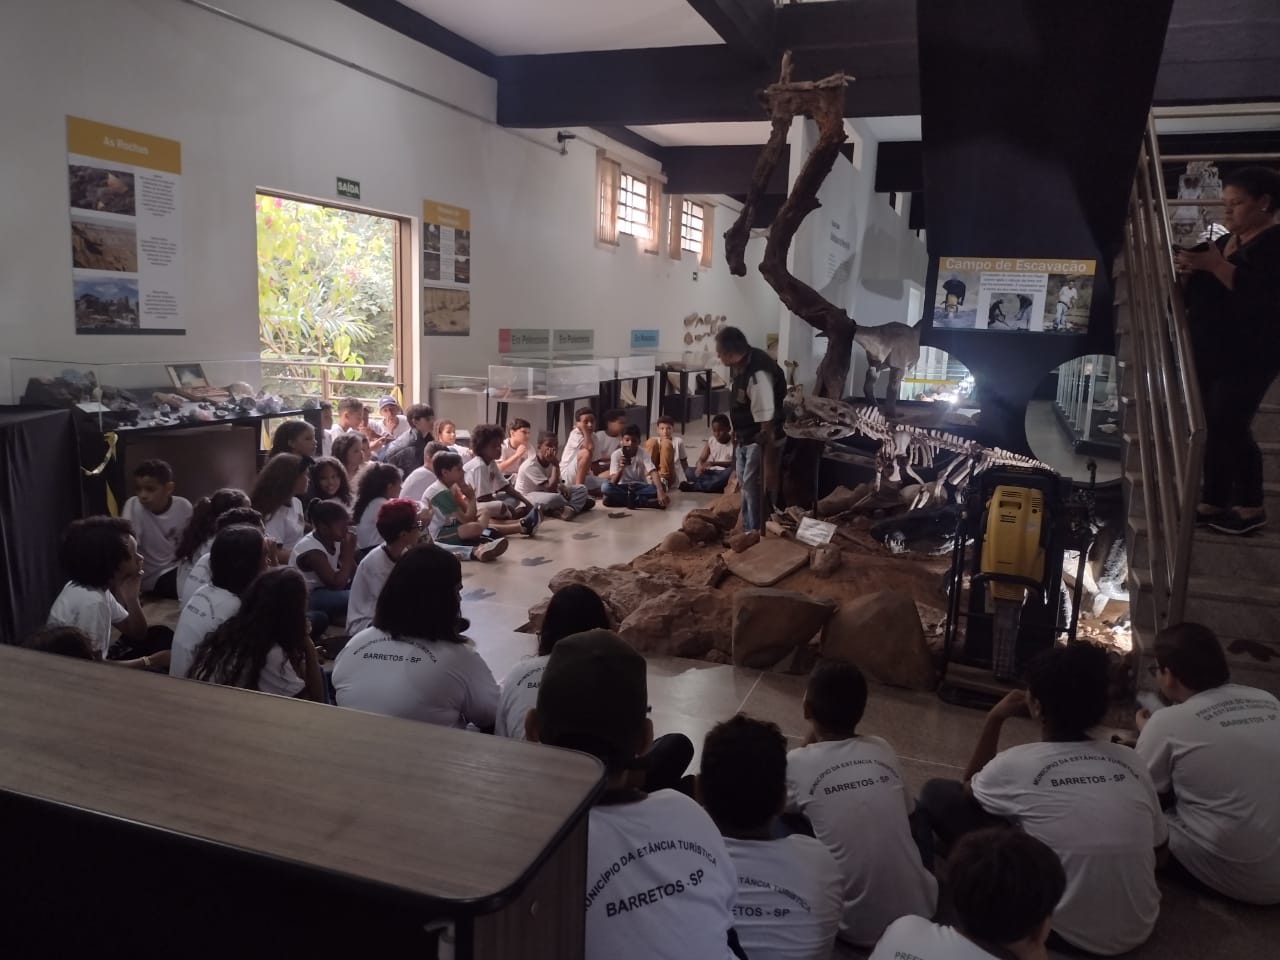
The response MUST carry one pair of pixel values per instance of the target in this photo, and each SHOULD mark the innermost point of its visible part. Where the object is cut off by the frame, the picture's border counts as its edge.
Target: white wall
(253, 111)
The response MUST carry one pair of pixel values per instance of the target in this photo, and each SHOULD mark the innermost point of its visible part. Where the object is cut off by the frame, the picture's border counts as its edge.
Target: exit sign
(349, 188)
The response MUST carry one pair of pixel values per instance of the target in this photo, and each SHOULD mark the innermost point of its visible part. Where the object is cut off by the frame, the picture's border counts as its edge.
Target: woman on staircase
(1232, 292)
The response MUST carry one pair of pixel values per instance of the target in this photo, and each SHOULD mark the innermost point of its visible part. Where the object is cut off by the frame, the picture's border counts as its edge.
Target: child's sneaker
(492, 550)
(530, 522)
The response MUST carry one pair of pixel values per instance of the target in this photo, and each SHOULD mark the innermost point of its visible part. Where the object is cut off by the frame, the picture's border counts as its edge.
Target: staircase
(1178, 572)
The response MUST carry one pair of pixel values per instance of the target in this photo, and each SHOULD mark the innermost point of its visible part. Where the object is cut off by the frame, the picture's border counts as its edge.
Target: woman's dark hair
(1257, 182)
(273, 611)
(1192, 653)
(1004, 885)
(837, 697)
(445, 460)
(286, 433)
(371, 483)
(325, 512)
(343, 495)
(1071, 685)
(62, 640)
(203, 517)
(631, 430)
(419, 411)
(239, 515)
(341, 447)
(573, 609)
(484, 435)
(236, 557)
(274, 487)
(93, 549)
(420, 598)
(744, 773)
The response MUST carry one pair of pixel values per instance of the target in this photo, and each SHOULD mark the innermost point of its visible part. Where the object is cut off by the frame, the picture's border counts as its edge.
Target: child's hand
(129, 588)
(663, 499)
(700, 469)
(1014, 704)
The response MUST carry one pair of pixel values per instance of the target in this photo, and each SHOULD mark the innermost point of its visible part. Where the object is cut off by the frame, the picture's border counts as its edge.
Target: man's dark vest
(745, 428)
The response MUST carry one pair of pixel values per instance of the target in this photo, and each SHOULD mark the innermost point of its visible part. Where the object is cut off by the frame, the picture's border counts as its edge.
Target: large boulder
(677, 541)
(622, 588)
(842, 498)
(882, 634)
(685, 622)
(700, 526)
(769, 624)
(725, 510)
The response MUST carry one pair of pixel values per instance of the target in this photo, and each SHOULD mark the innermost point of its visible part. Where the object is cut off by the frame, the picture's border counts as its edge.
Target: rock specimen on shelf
(769, 624)
(881, 633)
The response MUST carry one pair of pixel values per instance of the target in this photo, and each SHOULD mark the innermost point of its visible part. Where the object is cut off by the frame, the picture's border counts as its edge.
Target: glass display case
(1087, 403)
(460, 399)
(544, 379)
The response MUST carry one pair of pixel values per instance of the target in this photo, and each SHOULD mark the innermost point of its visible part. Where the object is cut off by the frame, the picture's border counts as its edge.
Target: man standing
(757, 390)
(1066, 299)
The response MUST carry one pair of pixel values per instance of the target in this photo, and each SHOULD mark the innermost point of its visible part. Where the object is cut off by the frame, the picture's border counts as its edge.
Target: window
(691, 227)
(633, 206)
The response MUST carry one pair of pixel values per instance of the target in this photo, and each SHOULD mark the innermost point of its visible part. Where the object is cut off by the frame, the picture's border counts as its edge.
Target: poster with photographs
(446, 243)
(124, 196)
(1014, 294)
(446, 312)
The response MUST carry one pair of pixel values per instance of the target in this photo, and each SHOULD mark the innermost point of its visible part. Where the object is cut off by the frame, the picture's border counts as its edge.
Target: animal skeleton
(903, 447)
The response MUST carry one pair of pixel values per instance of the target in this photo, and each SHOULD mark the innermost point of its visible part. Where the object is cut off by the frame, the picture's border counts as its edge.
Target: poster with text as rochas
(126, 267)
(1019, 294)
(446, 243)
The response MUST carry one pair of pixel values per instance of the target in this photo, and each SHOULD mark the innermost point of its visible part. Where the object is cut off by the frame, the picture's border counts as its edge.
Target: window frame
(632, 217)
(687, 216)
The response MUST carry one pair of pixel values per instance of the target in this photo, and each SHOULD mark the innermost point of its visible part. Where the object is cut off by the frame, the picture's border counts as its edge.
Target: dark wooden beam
(746, 26)
(900, 166)
(1220, 51)
(427, 32)
(715, 169)
(629, 138)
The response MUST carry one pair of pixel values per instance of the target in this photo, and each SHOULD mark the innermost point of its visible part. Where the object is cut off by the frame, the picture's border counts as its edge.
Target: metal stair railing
(1166, 395)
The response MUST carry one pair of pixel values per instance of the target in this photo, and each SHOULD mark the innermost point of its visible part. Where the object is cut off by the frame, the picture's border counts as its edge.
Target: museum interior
(801, 411)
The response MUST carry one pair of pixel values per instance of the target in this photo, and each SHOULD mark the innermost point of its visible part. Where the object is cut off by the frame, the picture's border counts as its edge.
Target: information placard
(1014, 293)
(815, 532)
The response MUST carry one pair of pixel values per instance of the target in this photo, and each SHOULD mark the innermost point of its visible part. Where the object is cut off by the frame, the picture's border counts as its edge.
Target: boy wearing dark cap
(660, 885)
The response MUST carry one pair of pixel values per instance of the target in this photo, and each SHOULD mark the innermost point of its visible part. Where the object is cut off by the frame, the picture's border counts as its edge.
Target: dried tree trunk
(822, 100)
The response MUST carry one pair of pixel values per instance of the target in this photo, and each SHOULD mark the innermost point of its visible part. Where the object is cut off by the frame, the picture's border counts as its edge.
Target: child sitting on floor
(447, 433)
(264, 645)
(790, 891)
(579, 463)
(715, 464)
(406, 451)
(104, 582)
(198, 536)
(375, 485)
(417, 482)
(391, 423)
(495, 497)
(275, 496)
(159, 519)
(200, 574)
(675, 900)
(633, 479)
(327, 558)
(850, 787)
(516, 449)
(607, 440)
(666, 450)
(294, 436)
(239, 554)
(1005, 886)
(454, 515)
(539, 482)
(400, 526)
(329, 481)
(72, 642)
(352, 451)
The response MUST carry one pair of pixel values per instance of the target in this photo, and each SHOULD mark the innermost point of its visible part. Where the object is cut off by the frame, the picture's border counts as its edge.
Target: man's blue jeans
(711, 480)
(747, 459)
(631, 495)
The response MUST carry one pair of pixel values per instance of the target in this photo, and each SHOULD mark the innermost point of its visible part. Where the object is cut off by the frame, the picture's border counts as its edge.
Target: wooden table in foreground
(170, 817)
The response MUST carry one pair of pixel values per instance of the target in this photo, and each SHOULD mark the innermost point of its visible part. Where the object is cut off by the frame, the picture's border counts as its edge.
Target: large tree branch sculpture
(823, 101)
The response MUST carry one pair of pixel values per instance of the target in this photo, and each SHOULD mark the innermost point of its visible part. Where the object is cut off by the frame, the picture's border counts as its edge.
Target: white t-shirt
(760, 393)
(485, 478)
(278, 675)
(370, 576)
(509, 451)
(1094, 805)
(603, 445)
(569, 455)
(416, 483)
(720, 452)
(201, 574)
(1067, 296)
(287, 524)
(186, 566)
(207, 610)
(790, 898)
(433, 681)
(660, 884)
(853, 793)
(367, 526)
(534, 477)
(158, 535)
(519, 696)
(401, 427)
(91, 610)
(1219, 753)
(636, 472)
(915, 938)
(311, 544)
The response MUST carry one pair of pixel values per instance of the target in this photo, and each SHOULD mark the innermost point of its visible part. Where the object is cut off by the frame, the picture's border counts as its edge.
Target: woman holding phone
(1232, 293)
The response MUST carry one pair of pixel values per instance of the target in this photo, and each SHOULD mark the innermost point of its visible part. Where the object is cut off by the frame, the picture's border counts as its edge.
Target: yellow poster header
(118, 145)
(446, 215)
(1079, 268)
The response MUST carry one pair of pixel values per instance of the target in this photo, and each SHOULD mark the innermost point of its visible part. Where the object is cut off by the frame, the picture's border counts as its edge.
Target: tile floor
(932, 738)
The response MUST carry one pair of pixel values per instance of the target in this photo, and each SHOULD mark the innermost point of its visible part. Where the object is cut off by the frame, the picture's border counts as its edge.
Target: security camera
(563, 137)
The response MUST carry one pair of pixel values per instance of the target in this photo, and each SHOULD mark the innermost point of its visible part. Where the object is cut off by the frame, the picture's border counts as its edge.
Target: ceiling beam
(426, 31)
(709, 170)
(746, 26)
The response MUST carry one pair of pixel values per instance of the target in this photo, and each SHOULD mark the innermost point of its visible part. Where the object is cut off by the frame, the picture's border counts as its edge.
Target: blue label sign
(644, 339)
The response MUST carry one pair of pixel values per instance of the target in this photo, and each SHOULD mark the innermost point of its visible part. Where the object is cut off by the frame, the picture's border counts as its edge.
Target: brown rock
(677, 541)
(685, 622)
(881, 633)
(774, 529)
(717, 656)
(740, 542)
(719, 570)
(769, 624)
(725, 510)
(536, 615)
(622, 587)
(825, 559)
(841, 499)
(700, 527)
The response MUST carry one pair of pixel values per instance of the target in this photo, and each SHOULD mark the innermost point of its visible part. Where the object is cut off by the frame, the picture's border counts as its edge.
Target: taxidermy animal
(891, 346)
